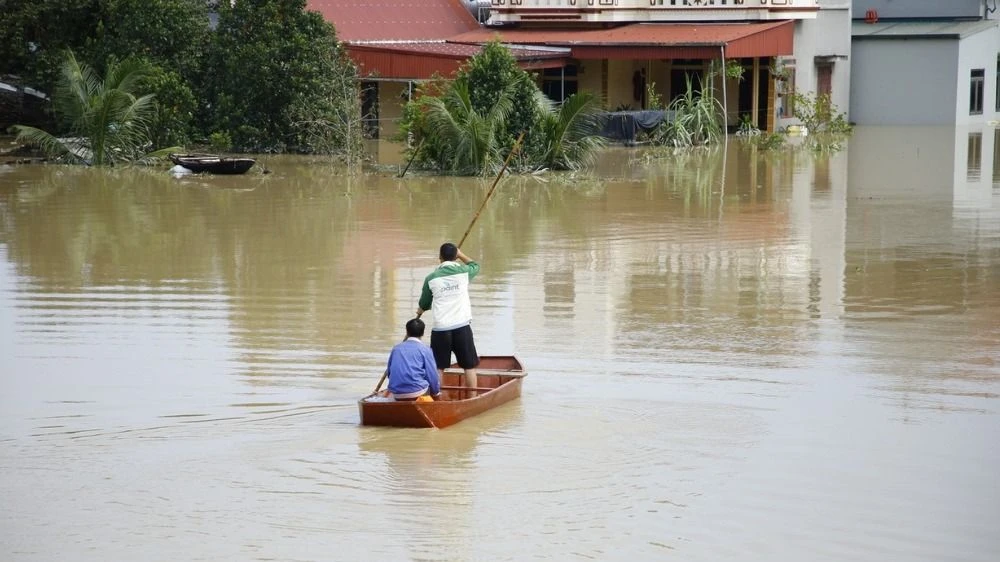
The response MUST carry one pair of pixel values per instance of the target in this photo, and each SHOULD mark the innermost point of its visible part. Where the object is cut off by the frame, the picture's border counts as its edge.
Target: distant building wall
(620, 84)
(920, 9)
(392, 97)
(905, 81)
(979, 51)
(590, 76)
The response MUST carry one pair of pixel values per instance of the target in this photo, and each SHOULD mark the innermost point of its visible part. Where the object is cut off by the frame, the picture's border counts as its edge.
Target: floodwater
(791, 356)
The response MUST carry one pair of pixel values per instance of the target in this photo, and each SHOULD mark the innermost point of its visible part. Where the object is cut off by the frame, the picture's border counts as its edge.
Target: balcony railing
(509, 11)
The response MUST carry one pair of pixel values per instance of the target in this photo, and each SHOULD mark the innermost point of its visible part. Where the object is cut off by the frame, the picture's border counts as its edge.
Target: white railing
(664, 4)
(650, 10)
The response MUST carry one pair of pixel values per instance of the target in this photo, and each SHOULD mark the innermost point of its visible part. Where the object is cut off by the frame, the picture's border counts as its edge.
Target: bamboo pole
(513, 150)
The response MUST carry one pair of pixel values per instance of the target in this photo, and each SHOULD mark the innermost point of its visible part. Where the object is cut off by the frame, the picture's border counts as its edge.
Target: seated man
(412, 370)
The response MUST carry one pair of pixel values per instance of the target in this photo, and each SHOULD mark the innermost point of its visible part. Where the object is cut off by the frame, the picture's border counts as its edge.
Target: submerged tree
(467, 139)
(470, 124)
(494, 73)
(569, 131)
(278, 79)
(102, 119)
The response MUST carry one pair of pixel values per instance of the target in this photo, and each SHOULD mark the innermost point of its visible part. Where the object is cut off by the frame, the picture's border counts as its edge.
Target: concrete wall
(920, 8)
(829, 35)
(905, 81)
(590, 77)
(391, 98)
(974, 52)
(620, 83)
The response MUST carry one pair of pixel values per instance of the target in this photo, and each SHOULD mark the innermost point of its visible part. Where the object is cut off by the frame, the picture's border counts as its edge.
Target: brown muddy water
(732, 357)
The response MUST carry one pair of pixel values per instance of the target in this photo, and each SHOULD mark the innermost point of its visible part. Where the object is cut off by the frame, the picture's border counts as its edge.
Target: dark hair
(448, 251)
(415, 328)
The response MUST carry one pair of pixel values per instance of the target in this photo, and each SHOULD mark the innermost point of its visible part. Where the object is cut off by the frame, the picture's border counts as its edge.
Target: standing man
(447, 290)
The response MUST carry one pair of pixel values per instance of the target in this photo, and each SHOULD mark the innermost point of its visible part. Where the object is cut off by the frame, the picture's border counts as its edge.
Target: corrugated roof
(459, 50)
(653, 40)
(918, 29)
(630, 35)
(395, 20)
(416, 61)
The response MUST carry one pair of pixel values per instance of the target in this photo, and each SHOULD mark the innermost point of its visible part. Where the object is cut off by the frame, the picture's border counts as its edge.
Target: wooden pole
(513, 150)
(415, 152)
(380, 381)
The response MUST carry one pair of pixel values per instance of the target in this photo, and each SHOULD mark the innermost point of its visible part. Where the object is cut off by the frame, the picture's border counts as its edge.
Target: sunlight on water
(732, 356)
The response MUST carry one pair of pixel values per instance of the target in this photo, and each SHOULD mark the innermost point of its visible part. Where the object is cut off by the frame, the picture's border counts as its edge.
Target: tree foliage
(469, 125)
(468, 139)
(272, 76)
(274, 68)
(169, 33)
(35, 34)
(492, 73)
(570, 132)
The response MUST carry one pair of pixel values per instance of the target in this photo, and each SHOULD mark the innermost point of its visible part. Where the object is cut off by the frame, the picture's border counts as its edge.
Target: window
(976, 91)
(560, 83)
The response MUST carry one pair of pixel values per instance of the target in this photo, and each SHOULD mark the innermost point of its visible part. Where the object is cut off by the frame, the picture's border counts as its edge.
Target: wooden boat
(212, 163)
(499, 379)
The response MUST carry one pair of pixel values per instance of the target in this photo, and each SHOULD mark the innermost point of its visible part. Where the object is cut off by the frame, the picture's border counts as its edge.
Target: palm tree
(571, 131)
(105, 121)
(468, 142)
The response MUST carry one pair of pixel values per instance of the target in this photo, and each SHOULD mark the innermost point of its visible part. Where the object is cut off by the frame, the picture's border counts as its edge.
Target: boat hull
(502, 374)
(213, 164)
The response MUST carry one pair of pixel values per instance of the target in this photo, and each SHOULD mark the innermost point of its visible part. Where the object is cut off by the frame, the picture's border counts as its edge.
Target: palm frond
(48, 144)
(572, 139)
(103, 111)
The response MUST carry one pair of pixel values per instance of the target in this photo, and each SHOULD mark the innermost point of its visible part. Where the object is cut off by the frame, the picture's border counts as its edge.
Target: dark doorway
(745, 103)
(678, 81)
(763, 89)
(824, 79)
(369, 109)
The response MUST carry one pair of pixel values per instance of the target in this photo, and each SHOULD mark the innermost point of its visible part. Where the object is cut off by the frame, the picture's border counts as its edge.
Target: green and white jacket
(447, 289)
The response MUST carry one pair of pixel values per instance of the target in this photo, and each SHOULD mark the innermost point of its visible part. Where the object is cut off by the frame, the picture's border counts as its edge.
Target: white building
(925, 62)
(822, 59)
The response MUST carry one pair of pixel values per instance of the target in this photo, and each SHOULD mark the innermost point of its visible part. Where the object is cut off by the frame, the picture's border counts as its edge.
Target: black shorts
(458, 340)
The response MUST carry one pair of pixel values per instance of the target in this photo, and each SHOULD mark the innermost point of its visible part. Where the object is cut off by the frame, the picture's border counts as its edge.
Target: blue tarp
(625, 126)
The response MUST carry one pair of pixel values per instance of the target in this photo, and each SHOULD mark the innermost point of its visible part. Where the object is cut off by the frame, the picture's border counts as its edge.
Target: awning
(420, 61)
(652, 40)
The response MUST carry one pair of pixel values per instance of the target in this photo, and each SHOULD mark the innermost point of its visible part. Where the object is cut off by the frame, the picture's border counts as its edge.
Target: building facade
(612, 48)
(924, 62)
(668, 41)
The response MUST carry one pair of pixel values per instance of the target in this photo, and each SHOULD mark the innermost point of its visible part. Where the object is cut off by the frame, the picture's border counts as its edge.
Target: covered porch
(617, 63)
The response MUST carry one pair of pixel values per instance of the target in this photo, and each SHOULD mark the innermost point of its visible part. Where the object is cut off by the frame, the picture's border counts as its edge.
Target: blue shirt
(412, 369)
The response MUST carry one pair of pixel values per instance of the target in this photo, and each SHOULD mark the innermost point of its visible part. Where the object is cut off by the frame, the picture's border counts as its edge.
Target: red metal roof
(653, 40)
(395, 20)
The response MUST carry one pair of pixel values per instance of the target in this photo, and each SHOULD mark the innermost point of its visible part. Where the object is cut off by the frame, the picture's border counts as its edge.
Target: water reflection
(974, 162)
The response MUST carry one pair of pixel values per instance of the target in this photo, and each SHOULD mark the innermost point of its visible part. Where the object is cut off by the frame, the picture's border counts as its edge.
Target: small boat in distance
(212, 163)
(499, 379)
